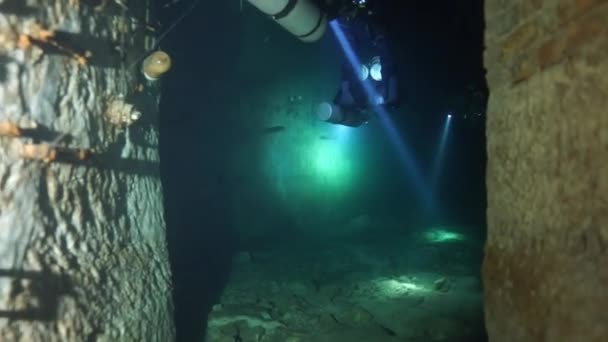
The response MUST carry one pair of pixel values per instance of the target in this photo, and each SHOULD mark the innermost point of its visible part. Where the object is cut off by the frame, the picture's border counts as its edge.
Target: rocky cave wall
(82, 233)
(298, 175)
(282, 81)
(546, 263)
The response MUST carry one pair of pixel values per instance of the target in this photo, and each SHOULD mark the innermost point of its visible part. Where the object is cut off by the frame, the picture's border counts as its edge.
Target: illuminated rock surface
(546, 263)
(82, 233)
(354, 292)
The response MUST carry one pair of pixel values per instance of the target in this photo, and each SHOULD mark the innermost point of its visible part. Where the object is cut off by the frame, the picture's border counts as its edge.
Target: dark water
(235, 131)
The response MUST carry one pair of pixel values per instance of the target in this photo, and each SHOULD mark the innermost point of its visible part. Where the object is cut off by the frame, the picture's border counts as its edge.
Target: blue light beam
(439, 154)
(405, 155)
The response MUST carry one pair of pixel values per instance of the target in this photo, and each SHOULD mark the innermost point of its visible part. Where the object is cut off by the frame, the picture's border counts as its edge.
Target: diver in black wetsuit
(372, 84)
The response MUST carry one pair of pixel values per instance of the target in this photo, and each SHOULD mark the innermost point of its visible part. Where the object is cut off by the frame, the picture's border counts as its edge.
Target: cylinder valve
(155, 65)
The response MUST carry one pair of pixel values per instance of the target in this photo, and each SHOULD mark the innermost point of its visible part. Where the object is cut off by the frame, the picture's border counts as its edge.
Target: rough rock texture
(381, 290)
(82, 234)
(546, 264)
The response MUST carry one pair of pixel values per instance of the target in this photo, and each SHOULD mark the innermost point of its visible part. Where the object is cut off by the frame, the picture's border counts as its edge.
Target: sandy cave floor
(401, 288)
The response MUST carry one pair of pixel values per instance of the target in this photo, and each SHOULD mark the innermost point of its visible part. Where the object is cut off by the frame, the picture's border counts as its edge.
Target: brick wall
(546, 264)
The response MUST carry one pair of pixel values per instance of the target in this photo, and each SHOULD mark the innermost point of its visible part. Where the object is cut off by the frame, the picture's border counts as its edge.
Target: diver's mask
(373, 69)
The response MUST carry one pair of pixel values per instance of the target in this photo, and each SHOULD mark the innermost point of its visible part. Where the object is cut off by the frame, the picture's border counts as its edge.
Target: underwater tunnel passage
(276, 223)
(312, 206)
(247, 167)
(264, 201)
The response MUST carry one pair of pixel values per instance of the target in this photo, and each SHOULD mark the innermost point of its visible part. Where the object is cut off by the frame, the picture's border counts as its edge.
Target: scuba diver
(368, 81)
(371, 84)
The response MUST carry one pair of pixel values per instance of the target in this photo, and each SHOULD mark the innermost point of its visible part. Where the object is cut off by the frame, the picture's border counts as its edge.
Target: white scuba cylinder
(329, 112)
(301, 18)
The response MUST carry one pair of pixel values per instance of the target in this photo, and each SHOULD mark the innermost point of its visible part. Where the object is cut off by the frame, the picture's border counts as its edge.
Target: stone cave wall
(546, 263)
(82, 234)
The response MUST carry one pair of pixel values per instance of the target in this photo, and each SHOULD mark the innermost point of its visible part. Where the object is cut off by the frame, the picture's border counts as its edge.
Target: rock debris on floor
(408, 289)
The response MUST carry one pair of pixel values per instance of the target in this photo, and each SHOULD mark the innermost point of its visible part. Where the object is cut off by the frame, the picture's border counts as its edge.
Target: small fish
(273, 129)
(171, 3)
(326, 137)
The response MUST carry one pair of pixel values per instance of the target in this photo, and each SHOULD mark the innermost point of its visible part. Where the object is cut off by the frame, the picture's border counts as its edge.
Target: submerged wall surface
(546, 263)
(300, 173)
(82, 233)
(296, 174)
